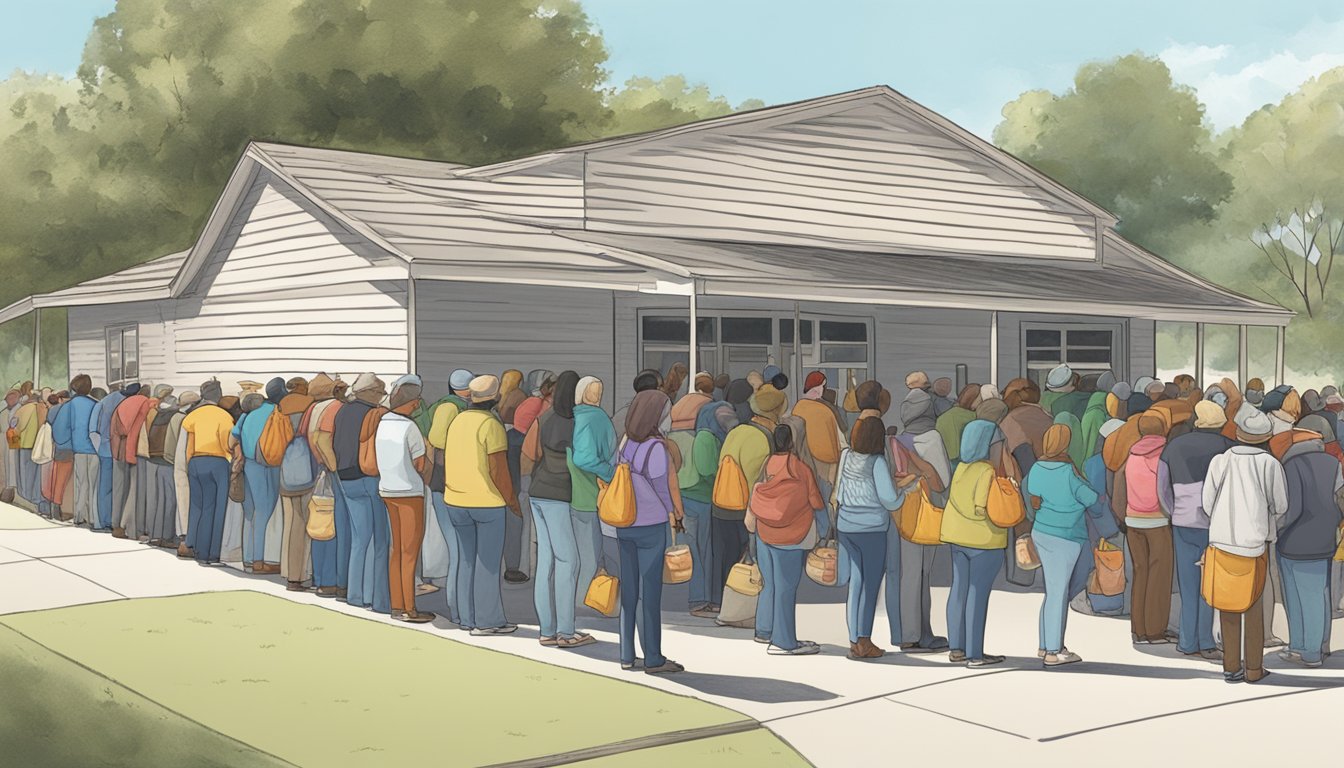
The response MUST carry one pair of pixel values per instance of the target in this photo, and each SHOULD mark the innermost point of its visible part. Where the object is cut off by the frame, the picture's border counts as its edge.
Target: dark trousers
(514, 545)
(642, 551)
(209, 478)
(1196, 627)
(1150, 607)
(1254, 640)
(728, 540)
(104, 492)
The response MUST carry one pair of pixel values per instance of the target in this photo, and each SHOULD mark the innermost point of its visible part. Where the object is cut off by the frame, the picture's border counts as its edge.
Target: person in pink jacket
(1138, 510)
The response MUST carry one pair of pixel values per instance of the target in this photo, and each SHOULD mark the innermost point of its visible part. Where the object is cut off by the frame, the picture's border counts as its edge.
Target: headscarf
(917, 412)
(1093, 417)
(1318, 424)
(275, 390)
(1016, 392)
(566, 388)
(738, 395)
(647, 411)
(1115, 451)
(969, 397)
(989, 392)
(1055, 445)
(1077, 444)
(993, 409)
(767, 402)
(535, 379)
(977, 439)
(509, 381)
(581, 389)
(718, 418)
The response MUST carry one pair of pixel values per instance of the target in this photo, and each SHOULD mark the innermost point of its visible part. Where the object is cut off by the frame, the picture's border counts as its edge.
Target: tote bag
(322, 511)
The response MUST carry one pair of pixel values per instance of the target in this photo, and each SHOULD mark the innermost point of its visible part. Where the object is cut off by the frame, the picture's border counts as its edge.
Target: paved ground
(835, 711)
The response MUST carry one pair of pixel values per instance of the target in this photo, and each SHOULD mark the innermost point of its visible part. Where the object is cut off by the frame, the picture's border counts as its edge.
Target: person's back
(1309, 527)
(650, 464)
(1064, 498)
(1245, 488)
(865, 494)
(1143, 505)
(1186, 461)
(551, 477)
(965, 518)
(823, 429)
(472, 437)
(950, 425)
(795, 496)
(345, 438)
(748, 446)
(591, 455)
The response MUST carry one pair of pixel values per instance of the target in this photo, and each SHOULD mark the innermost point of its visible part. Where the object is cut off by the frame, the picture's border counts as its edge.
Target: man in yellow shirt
(207, 430)
(477, 490)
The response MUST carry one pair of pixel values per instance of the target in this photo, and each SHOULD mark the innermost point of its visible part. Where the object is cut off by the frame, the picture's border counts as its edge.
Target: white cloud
(1232, 83)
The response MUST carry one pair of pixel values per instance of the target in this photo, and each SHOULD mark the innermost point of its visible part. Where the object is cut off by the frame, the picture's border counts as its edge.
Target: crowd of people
(1232, 492)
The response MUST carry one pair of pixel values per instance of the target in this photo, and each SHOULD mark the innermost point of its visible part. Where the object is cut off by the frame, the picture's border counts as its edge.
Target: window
(123, 355)
(678, 329)
(786, 332)
(747, 330)
(1085, 350)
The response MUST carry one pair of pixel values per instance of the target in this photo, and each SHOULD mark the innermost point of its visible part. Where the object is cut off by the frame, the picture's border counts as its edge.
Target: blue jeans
(1196, 628)
(557, 576)
(698, 538)
(765, 601)
(892, 581)
(105, 495)
(208, 477)
(1066, 575)
(588, 541)
(263, 493)
(867, 553)
(1306, 596)
(454, 555)
(973, 572)
(642, 551)
(480, 537)
(329, 569)
(370, 531)
(786, 571)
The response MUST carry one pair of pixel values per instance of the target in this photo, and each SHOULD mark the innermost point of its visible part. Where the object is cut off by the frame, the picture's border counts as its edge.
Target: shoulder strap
(307, 417)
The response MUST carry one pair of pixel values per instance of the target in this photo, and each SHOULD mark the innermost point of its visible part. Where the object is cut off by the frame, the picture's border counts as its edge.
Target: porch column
(994, 348)
(37, 347)
(1243, 355)
(796, 377)
(695, 321)
(1278, 356)
(1199, 355)
(410, 325)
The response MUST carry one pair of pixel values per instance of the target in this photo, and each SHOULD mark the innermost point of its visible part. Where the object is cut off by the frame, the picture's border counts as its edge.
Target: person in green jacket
(749, 444)
(977, 544)
(954, 420)
(591, 457)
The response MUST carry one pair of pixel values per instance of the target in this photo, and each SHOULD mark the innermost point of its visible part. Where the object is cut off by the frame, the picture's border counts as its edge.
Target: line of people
(1187, 483)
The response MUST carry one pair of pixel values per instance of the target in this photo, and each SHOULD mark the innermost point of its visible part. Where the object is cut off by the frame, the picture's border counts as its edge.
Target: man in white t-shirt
(401, 483)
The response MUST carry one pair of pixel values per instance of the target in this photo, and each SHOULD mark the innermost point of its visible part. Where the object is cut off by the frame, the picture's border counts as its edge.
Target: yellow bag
(745, 578)
(677, 564)
(1232, 583)
(730, 486)
(616, 505)
(604, 594)
(276, 435)
(918, 520)
(1005, 506)
(1339, 546)
(321, 518)
(851, 402)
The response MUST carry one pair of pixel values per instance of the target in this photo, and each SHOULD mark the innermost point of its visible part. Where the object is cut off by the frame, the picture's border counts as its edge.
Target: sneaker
(710, 611)
(515, 576)
(426, 589)
(1274, 642)
(1234, 677)
(984, 661)
(507, 629)
(804, 648)
(1293, 657)
(917, 648)
(669, 667)
(1041, 653)
(761, 640)
(326, 591)
(956, 657)
(1063, 657)
(416, 617)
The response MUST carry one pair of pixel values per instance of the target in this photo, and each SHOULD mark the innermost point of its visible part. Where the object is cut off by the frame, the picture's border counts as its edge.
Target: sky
(962, 58)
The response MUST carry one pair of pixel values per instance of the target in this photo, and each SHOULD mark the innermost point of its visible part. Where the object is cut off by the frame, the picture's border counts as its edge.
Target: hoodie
(1065, 497)
(1143, 507)
(966, 519)
(1183, 467)
(1307, 530)
(591, 455)
(1245, 490)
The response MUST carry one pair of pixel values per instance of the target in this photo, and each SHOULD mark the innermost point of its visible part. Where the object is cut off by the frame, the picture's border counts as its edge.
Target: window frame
(1119, 357)
(120, 333)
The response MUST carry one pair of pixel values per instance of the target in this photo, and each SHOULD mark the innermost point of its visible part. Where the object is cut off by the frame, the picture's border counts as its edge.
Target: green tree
(1127, 137)
(644, 104)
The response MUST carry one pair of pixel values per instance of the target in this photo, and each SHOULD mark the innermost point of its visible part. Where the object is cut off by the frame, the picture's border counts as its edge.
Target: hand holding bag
(604, 593)
(677, 565)
(1025, 553)
(823, 563)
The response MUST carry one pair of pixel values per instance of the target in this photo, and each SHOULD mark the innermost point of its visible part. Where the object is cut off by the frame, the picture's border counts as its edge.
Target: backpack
(44, 448)
(276, 435)
(780, 497)
(731, 489)
(687, 476)
(298, 466)
(368, 451)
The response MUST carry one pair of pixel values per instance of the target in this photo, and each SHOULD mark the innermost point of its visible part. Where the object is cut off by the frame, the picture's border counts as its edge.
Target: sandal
(578, 640)
(549, 642)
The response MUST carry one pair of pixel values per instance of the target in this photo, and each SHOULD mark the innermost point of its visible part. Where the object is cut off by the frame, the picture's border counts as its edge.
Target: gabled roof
(142, 282)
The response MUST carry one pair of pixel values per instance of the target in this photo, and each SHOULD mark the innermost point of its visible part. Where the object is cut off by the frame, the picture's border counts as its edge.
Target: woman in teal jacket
(1061, 497)
(592, 456)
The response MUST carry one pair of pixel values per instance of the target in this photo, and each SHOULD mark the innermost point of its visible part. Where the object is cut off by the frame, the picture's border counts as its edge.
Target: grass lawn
(318, 688)
(58, 713)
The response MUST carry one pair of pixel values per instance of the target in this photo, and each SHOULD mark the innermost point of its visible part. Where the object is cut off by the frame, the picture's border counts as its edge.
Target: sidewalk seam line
(141, 694)
(85, 578)
(633, 745)
(875, 697)
(1163, 715)
(963, 720)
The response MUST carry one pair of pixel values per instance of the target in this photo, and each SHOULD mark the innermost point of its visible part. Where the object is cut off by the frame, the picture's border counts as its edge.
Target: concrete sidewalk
(835, 711)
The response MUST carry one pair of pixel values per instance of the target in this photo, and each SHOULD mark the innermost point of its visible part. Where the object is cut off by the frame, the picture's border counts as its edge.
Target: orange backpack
(276, 435)
(368, 431)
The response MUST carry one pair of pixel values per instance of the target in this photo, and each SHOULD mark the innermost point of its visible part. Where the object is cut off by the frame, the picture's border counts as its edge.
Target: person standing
(1137, 505)
(643, 543)
(72, 428)
(557, 573)
(953, 420)
(208, 428)
(400, 452)
(910, 566)
(977, 545)
(1183, 468)
(479, 494)
(161, 493)
(263, 480)
(591, 457)
(62, 462)
(369, 526)
(297, 545)
(517, 545)
(695, 478)
(1244, 493)
(1060, 497)
(131, 410)
(1305, 545)
(26, 421)
(446, 410)
(331, 558)
(748, 444)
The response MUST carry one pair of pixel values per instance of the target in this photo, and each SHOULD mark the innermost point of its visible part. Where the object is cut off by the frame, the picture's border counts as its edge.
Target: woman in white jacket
(1243, 494)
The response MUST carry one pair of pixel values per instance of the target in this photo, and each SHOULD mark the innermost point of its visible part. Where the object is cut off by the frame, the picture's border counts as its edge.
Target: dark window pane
(836, 331)
(1089, 338)
(747, 330)
(786, 332)
(1042, 338)
(1043, 355)
(704, 330)
(667, 329)
(843, 353)
(1089, 356)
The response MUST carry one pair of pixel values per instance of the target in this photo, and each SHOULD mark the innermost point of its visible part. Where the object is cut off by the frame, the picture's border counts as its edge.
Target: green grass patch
(753, 748)
(59, 714)
(318, 688)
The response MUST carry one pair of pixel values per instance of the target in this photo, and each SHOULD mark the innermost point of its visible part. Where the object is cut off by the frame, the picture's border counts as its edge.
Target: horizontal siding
(88, 340)
(489, 328)
(869, 176)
